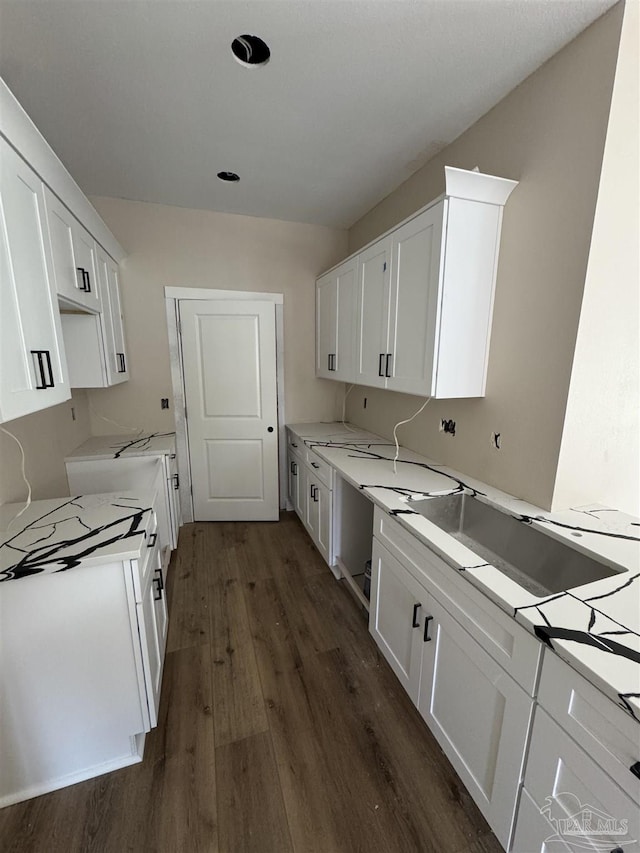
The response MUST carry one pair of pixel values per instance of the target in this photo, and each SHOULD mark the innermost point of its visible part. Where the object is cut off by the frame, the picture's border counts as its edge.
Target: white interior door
(229, 360)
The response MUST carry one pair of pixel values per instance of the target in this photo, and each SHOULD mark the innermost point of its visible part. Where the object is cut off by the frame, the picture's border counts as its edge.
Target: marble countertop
(115, 446)
(594, 627)
(65, 533)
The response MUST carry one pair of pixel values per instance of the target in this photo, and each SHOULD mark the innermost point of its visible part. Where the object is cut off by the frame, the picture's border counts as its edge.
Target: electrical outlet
(164, 402)
(448, 426)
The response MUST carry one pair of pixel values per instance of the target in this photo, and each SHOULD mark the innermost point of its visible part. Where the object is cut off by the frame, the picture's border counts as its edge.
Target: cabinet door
(320, 499)
(396, 617)
(373, 314)
(294, 478)
(70, 282)
(33, 372)
(326, 324)
(344, 361)
(152, 624)
(173, 493)
(413, 311)
(478, 714)
(534, 833)
(84, 249)
(112, 322)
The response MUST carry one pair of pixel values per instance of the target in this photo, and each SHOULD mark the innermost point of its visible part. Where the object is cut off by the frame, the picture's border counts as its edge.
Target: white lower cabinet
(395, 617)
(152, 616)
(478, 714)
(311, 497)
(581, 770)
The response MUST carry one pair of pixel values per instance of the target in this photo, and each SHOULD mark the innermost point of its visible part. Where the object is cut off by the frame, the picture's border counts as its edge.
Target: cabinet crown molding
(476, 186)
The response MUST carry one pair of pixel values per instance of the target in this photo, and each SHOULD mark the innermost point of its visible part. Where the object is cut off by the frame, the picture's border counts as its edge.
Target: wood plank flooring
(282, 729)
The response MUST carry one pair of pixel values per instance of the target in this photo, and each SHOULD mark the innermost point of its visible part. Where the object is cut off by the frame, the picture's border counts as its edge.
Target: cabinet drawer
(562, 777)
(607, 733)
(517, 651)
(296, 443)
(320, 469)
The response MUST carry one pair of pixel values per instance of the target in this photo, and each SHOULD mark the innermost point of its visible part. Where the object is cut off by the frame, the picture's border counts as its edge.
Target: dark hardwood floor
(281, 726)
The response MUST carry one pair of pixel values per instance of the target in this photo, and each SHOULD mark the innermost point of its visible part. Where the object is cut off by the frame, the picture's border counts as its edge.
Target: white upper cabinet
(374, 266)
(425, 294)
(73, 253)
(113, 321)
(335, 318)
(33, 371)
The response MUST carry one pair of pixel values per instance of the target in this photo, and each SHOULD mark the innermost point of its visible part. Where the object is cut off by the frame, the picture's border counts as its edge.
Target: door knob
(269, 429)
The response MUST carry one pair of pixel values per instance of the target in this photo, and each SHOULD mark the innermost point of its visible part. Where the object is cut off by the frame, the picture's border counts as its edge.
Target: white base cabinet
(310, 492)
(476, 711)
(81, 686)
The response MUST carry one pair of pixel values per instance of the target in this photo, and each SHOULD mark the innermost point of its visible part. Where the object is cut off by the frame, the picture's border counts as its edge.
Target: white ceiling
(144, 100)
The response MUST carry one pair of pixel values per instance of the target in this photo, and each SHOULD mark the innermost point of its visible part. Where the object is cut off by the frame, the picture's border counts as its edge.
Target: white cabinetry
(73, 253)
(95, 342)
(335, 319)
(310, 492)
(425, 294)
(582, 768)
(33, 371)
(477, 712)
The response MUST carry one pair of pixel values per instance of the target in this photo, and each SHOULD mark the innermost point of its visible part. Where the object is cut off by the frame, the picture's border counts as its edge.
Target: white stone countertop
(116, 446)
(65, 533)
(594, 627)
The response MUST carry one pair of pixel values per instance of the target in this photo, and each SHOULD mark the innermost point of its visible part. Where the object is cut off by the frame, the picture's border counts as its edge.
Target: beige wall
(177, 247)
(47, 437)
(602, 423)
(548, 134)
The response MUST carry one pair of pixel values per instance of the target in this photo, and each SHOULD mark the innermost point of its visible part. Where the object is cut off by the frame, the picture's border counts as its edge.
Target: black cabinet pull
(122, 367)
(152, 540)
(415, 622)
(83, 274)
(295, 469)
(635, 769)
(87, 281)
(176, 482)
(315, 494)
(293, 444)
(314, 465)
(157, 597)
(388, 357)
(329, 361)
(42, 363)
(426, 637)
(380, 360)
(311, 491)
(291, 468)
(160, 578)
(332, 361)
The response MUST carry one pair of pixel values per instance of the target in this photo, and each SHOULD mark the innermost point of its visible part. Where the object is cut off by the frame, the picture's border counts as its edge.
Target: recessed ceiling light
(250, 51)
(230, 177)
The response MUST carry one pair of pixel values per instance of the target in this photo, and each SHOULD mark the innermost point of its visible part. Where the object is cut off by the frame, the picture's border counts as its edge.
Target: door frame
(173, 296)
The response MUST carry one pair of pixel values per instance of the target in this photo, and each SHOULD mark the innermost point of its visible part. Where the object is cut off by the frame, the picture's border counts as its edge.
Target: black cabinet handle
(152, 540)
(295, 469)
(42, 362)
(332, 361)
(87, 281)
(157, 597)
(311, 491)
(415, 622)
(380, 360)
(122, 366)
(176, 482)
(635, 769)
(329, 361)
(388, 358)
(315, 494)
(314, 465)
(83, 274)
(160, 578)
(293, 444)
(292, 468)
(426, 637)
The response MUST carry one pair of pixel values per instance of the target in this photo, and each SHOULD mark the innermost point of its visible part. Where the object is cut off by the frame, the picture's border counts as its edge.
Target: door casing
(172, 296)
